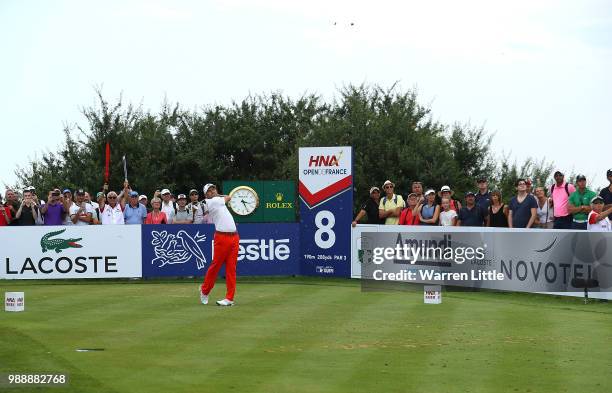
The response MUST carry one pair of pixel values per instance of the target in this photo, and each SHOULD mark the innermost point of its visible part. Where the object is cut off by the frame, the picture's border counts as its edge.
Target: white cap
(143, 196)
(165, 191)
(207, 186)
(429, 192)
(388, 182)
(445, 188)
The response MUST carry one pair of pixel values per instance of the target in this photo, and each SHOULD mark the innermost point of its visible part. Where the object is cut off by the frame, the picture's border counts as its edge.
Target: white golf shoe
(203, 298)
(225, 302)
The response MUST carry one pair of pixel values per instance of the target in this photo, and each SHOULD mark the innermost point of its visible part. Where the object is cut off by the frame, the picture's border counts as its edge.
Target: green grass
(304, 335)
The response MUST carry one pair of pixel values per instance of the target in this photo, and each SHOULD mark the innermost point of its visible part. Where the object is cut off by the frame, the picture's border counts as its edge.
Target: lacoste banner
(514, 260)
(41, 252)
(187, 250)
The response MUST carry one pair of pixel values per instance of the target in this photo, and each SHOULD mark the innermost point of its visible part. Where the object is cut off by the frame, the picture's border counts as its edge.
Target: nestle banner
(187, 250)
(513, 260)
(43, 252)
(326, 209)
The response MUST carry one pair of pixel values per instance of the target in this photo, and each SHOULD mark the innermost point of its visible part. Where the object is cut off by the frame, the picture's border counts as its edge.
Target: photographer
(5, 214)
(29, 211)
(55, 209)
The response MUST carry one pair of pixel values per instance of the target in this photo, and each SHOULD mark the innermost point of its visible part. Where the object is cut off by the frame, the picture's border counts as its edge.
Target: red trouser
(226, 251)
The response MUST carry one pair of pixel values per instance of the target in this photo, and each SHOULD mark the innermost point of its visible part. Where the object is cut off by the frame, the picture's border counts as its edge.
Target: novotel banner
(326, 209)
(44, 252)
(524, 260)
(187, 250)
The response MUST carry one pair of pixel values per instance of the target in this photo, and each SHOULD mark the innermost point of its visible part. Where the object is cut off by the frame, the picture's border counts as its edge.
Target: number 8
(321, 229)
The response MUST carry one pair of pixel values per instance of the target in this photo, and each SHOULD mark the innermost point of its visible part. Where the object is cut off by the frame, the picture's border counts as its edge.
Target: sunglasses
(111, 197)
(389, 186)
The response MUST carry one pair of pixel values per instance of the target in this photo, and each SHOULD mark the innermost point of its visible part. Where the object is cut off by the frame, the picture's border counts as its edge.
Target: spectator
(417, 188)
(134, 212)
(391, 205)
(5, 214)
(448, 216)
(80, 212)
(483, 197)
(580, 203)
(523, 207)
(446, 192)
(370, 209)
(197, 211)
(12, 202)
(87, 199)
(544, 212)
(144, 201)
(111, 210)
(559, 193)
(28, 212)
(471, 215)
(68, 198)
(598, 220)
(168, 205)
(430, 210)
(96, 218)
(498, 211)
(606, 192)
(156, 216)
(55, 209)
(410, 214)
(183, 214)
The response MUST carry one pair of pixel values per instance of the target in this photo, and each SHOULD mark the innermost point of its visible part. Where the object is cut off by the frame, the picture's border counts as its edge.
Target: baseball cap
(143, 196)
(387, 182)
(597, 198)
(80, 191)
(100, 194)
(133, 194)
(165, 191)
(181, 196)
(580, 177)
(193, 191)
(467, 194)
(430, 191)
(207, 186)
(66, 190)
(558, 173)
(609, 173)
(374, 189)
(445, 189)
(412, 194)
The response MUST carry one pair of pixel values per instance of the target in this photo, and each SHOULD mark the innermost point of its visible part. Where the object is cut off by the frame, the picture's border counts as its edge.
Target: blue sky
(537, 74)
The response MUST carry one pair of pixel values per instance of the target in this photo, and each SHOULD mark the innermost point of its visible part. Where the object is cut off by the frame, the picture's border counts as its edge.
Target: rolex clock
(244, 200)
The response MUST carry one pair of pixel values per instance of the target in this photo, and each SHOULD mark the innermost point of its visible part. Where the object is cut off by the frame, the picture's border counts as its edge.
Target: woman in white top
(544, 210)
(448, 216)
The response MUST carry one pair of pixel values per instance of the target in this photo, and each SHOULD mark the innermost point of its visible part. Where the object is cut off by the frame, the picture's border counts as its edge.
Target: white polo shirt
(75, 208)
(219, 214)
(168, 208)
(112, 215)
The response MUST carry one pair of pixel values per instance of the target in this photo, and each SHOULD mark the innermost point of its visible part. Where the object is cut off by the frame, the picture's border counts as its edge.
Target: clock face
(244, 200)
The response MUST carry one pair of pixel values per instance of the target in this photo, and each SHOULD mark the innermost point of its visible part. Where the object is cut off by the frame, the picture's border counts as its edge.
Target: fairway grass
(303, 335)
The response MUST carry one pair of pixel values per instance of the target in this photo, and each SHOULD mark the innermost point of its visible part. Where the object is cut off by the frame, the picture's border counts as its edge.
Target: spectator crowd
(76, 207)
(562, 206)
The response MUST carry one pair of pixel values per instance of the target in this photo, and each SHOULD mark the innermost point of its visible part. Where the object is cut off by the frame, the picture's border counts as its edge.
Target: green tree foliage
(393, 137)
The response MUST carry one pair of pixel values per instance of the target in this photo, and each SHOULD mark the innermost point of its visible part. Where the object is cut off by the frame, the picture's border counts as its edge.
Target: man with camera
(55, 209)
(29, 211)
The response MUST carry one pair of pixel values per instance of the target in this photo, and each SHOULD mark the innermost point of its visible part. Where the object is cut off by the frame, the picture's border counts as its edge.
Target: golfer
(226, 245)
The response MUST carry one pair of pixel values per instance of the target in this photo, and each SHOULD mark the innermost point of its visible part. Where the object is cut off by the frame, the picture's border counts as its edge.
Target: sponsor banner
(187, 250)
(326, 210)
(46, 252)
(543, 261)
(277, 201)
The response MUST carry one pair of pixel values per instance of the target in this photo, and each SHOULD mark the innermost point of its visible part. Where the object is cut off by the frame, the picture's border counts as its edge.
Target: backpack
(394, 200)
(566, 188)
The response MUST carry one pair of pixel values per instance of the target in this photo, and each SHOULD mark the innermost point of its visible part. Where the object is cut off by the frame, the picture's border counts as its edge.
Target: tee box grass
(303, 335)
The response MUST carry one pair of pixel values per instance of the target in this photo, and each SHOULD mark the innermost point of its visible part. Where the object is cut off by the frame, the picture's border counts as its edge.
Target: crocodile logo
(58, 244)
